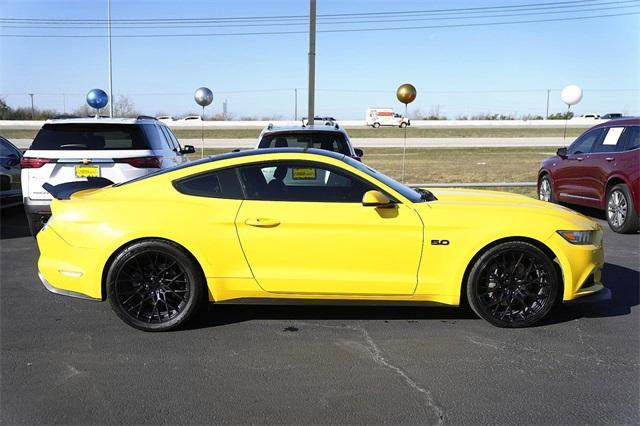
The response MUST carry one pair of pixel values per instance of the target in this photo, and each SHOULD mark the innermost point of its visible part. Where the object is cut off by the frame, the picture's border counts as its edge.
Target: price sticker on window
(303, 173)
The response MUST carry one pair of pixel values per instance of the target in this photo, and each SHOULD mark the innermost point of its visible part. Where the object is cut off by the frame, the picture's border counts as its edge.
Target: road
(383, 142)
(70, 361)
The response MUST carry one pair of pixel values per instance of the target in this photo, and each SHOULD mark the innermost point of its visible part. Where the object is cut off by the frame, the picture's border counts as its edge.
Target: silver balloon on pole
(406, 94)
(570, 95)
(203, 97)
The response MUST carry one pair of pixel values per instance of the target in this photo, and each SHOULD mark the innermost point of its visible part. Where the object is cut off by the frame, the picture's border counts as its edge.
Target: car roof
(239, 154)
(102, 120)
(624, 121)
(300, 129)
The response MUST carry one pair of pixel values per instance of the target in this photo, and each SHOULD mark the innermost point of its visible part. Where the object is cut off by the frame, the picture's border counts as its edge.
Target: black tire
(154, 285)
(545, 189)
(403, 125)
(376, 125)
(513, 284)
(622, 215)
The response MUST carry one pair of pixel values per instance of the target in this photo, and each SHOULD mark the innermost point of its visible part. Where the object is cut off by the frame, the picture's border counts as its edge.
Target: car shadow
(14, 223)
(623, 282)
(587, 211)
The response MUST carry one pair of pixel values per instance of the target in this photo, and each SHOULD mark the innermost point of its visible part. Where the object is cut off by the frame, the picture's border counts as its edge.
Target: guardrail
(474, 185)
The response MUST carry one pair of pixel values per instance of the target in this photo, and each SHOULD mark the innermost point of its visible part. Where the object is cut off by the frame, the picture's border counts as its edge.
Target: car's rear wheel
(545, 189)
(513, 284)
(621, 213)
(376, 125)
(154, 285)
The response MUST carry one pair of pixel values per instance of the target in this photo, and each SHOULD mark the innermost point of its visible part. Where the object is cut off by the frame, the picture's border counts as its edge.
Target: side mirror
(562, 153)
(188, 149)
(376, 199)
(359, 152)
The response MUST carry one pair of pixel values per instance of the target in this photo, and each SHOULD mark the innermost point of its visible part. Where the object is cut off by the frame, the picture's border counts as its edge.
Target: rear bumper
(61, 292)
(41, 207)
(67, 270)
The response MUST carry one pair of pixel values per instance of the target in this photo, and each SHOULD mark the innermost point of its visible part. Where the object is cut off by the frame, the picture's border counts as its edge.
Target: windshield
(329, 141)
(89, 136)
(416, 196)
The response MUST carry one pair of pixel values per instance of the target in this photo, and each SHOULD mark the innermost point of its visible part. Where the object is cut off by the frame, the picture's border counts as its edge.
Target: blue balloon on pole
(97, 98)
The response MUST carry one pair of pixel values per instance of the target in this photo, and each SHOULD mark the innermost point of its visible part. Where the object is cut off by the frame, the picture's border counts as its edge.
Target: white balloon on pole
(571, 94)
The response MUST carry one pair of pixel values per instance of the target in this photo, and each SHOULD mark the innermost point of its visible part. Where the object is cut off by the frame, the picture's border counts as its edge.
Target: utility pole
(546, 117)
(312, 60)
(33, 111)
(295, 115)
(110, 66)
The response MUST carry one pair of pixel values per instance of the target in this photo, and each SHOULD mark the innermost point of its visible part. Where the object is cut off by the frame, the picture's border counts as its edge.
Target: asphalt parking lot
(70, 361)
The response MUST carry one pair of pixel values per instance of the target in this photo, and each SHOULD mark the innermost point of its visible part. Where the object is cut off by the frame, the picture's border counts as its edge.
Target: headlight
(578, 237)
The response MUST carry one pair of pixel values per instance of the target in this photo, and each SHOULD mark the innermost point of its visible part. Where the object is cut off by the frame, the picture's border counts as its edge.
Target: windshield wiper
(425, 194)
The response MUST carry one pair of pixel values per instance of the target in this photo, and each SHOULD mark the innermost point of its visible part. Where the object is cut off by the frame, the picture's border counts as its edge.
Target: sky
(505, 69)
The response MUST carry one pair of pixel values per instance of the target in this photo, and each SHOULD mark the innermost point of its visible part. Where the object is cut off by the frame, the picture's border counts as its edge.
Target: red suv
(601, 169)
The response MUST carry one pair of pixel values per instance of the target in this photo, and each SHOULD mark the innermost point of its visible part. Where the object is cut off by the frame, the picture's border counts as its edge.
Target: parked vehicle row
(10, 187)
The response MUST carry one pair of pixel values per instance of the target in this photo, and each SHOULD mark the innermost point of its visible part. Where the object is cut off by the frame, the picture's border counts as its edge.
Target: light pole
(546, 117)
(312, 60)
(295, 108)
(33, 111)
(110, 66)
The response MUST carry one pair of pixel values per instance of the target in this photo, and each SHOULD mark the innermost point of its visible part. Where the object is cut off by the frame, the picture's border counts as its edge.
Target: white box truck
(377, 117)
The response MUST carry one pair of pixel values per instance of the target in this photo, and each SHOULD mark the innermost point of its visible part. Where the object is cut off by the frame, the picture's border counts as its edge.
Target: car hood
(507, 204)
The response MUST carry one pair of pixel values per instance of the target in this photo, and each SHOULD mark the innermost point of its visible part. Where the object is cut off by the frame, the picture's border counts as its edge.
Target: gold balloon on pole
(406, 94)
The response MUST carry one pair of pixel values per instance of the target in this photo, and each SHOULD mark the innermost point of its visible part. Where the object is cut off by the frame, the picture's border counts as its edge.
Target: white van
(377, 117)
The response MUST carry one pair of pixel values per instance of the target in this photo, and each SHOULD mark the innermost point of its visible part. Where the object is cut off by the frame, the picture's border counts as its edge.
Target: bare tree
(124, 107)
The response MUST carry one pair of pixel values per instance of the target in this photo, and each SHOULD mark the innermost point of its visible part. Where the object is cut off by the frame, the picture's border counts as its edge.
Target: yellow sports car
(273, 224)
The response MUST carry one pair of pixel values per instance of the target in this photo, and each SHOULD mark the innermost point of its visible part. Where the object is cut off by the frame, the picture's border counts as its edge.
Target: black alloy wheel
(153, 285)
(513, 284)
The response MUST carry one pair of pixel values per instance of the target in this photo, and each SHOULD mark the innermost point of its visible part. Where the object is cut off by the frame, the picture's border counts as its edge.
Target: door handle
(262, 222)
(609, 158)
(579, 158)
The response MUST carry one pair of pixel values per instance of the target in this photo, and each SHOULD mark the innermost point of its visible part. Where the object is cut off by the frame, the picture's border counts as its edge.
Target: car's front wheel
(513, 284)
(154, 285)
(621, 213)
(376, 125)
(403, 125)
(545, 189)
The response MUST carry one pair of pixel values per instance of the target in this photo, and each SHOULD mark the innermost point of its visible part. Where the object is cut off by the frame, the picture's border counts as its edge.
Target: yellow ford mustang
(268, 225)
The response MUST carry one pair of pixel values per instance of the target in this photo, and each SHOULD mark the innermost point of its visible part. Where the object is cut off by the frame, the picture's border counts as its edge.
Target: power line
(437, 18)
(338, 15)
(343, 30)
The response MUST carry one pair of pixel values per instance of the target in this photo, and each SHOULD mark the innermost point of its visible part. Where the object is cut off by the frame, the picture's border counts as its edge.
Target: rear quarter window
(89, 136)
(215, 184)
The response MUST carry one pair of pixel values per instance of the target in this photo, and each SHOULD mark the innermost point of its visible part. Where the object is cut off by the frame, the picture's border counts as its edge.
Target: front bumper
(601, 295)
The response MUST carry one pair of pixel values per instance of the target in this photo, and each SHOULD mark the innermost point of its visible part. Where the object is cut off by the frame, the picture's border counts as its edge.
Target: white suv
(328, 137)
(118, 149)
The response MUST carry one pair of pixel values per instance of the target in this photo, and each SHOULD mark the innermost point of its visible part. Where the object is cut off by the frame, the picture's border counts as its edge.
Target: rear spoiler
(64, 191)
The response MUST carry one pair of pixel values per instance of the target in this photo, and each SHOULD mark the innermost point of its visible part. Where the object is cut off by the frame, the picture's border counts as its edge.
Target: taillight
(140, 162)
(35, 163)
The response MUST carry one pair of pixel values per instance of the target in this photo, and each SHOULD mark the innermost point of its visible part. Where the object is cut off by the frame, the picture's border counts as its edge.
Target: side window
(584, 143)
(216, 184)
(302, 181)
(172, 138)
(610, 141)
(169, 142)
(155, 137)
(632, 138)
